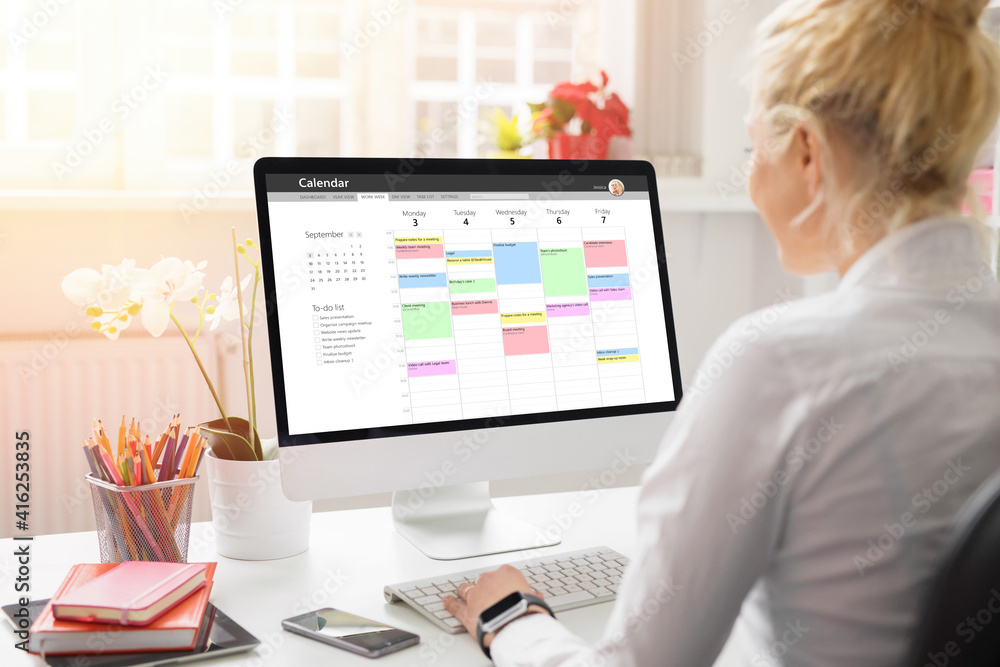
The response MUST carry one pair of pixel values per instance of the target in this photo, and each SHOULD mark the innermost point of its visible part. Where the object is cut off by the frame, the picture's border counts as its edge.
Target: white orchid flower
(111, 289)
(168, 280)
(120, 284)
(228, 306)
(83, 287)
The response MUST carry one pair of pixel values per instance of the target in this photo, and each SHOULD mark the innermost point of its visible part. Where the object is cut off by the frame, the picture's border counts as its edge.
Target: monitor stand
(460, 521)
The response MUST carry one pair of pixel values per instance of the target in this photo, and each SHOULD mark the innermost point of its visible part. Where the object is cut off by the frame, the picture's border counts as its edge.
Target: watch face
(499, 608)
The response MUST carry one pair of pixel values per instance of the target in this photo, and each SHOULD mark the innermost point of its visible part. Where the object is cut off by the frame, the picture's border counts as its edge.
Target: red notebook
(176, 630)
(134, 593)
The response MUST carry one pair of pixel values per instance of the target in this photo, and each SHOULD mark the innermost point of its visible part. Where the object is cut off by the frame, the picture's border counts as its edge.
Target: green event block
(426, 320)
(470, 285)
(564, 272)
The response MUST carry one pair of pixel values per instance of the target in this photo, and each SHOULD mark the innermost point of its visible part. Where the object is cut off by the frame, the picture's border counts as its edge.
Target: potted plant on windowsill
(251, 516)
(582, 120)
(505, 134)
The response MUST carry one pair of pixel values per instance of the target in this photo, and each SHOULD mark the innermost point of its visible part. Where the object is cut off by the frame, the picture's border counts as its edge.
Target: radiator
(53, 385)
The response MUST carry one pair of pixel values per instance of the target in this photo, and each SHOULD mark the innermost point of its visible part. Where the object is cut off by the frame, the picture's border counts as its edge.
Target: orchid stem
(201, 366)
(243, 341)
(253, 316)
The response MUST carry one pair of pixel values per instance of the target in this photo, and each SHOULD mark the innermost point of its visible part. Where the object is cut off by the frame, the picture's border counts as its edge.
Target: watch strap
(532, 600)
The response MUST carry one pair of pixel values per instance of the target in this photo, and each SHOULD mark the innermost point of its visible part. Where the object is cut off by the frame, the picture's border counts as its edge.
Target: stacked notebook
(128, 607)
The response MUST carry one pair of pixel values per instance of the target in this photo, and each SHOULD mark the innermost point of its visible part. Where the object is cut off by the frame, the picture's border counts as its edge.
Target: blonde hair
(911, 86)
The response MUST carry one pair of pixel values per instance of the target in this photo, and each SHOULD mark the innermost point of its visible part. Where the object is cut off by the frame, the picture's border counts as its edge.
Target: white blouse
(807, 482)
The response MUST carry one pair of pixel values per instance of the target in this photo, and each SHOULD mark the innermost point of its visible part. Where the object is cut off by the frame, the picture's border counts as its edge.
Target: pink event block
(567, 309)
(421, 251)
(604, 253)
(420, 369)
(525, 340)
(481, 307)
(611, 294)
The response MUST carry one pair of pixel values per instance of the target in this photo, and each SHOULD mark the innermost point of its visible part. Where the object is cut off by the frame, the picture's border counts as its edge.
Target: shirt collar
(931, 253)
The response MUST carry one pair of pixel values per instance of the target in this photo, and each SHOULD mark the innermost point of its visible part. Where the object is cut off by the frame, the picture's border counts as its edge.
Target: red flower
(575, 94)
(603, 115)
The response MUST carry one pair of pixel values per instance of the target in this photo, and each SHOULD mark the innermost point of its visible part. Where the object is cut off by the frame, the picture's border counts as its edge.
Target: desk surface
(352, 555)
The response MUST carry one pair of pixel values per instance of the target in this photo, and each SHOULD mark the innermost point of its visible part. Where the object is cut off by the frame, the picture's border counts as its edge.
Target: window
(262, 79)
(473, 59)
(120, 95)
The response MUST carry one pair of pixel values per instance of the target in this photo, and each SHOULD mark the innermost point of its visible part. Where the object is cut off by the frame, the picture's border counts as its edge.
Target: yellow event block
(411, 240)
(521, 318)
(470, 260)
(618, 359)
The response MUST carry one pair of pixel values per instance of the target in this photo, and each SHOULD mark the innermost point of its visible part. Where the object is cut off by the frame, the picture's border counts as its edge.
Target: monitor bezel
(445, 167)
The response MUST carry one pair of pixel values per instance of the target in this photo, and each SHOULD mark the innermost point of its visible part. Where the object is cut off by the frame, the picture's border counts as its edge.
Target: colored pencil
(121, 437)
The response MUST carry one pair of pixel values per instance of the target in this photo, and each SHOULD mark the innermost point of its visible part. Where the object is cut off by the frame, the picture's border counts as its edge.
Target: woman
(804, 494)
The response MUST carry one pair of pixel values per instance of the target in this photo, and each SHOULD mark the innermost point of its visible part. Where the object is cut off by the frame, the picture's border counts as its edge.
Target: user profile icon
(616, 188)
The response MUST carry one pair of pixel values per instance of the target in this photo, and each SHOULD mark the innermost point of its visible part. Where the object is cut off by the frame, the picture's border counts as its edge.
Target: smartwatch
(512, 607)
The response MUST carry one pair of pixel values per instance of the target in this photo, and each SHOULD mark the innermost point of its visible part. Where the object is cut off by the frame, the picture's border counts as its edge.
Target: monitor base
(460, 521)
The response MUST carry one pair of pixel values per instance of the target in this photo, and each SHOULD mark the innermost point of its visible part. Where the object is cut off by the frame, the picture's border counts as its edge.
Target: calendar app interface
(408, 300)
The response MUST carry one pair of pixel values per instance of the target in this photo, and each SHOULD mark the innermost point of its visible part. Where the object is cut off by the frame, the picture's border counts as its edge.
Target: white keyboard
(566, 581)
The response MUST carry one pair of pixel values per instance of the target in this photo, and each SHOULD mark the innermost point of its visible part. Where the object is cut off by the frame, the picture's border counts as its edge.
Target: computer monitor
(438, 324)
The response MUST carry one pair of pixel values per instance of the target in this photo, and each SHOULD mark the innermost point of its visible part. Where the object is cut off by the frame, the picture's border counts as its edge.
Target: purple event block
(567, 309)
(421, 369)
(611, 294)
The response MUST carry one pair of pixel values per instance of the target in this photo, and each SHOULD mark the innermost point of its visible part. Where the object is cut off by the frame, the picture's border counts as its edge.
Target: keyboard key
(427, 599)
(442, 614)
(568, 599)
(557, 590)
(601, 592)
(434, 606)
(452, 622)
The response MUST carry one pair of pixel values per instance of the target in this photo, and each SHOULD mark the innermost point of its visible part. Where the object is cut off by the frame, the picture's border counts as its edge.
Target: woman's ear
(807, 144)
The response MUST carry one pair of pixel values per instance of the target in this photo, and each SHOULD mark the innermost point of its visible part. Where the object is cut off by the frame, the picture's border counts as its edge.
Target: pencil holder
(150, 522)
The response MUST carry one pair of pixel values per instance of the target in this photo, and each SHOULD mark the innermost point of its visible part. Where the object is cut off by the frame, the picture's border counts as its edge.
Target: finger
(456, 608)
(463, 590)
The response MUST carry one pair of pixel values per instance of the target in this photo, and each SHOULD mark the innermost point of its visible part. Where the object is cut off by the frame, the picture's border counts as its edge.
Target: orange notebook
(174, 631)
(134, 593)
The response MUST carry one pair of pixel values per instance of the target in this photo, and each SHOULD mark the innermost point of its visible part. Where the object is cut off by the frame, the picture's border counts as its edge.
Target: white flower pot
(253, 519)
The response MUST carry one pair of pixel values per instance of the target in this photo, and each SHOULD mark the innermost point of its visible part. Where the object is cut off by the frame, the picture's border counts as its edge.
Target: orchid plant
(115, 295)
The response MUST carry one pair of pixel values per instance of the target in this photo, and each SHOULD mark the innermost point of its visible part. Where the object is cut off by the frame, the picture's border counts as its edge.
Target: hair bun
(962, 14)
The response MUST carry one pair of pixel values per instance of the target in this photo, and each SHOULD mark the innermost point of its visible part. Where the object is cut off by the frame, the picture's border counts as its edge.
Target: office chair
(960, 626)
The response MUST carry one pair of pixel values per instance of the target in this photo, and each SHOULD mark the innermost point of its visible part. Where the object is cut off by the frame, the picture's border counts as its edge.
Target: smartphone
(352, 633)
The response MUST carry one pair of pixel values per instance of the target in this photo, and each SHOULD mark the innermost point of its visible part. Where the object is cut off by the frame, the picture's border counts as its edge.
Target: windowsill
(123, 200)
(694, 195)
(676, 196)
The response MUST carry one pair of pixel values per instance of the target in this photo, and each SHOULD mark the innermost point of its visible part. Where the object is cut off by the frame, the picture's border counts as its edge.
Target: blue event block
(516, 263)
(597, 280)
(423, 280)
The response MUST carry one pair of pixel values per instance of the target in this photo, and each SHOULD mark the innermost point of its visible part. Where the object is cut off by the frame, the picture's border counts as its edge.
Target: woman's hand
(474, 599)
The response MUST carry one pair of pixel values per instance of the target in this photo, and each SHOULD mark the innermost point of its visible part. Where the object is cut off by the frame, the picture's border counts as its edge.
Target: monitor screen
(404, 302)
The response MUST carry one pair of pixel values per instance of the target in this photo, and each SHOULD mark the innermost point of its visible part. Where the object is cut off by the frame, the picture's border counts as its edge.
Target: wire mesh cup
(150, 522)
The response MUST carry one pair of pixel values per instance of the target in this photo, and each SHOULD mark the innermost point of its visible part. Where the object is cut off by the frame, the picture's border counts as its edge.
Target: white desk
(352, 555)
